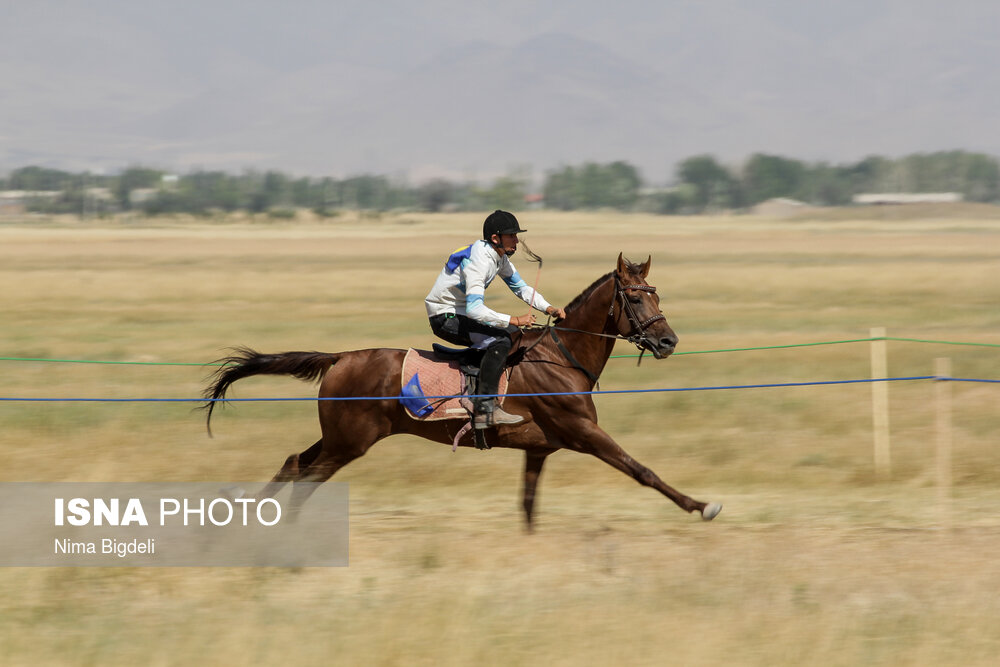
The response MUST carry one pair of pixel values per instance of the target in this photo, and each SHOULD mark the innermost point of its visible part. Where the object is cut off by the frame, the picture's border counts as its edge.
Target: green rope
(123, 363)
(940, 342)
(778, 347)
(828, 342)
(765, 347)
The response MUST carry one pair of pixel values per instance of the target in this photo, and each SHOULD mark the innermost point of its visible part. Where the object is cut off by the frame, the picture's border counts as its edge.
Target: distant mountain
(428, 88)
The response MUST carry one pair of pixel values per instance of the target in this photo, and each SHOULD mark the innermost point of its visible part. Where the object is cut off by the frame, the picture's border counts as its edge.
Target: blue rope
(554, 393)
(968, 380)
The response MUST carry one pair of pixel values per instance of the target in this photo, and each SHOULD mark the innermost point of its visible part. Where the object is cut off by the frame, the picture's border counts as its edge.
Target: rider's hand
(523, 320)
(557, 313)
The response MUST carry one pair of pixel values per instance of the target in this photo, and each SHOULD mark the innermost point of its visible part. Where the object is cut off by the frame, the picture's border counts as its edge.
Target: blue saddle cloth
(412, 398)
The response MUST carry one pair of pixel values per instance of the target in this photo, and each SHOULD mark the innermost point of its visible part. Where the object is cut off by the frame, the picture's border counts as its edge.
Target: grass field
(813, 560)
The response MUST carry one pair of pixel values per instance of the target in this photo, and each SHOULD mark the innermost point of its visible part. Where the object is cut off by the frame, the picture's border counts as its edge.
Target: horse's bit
(637, 336)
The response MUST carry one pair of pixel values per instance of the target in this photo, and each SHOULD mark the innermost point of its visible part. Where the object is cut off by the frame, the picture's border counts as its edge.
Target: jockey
(458, 312)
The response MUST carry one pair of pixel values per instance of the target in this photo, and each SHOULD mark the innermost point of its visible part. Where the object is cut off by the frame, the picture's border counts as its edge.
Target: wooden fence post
(880, 403)
(942, 422)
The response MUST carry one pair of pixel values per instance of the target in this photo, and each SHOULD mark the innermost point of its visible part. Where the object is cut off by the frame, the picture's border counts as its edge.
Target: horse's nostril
(669, 341)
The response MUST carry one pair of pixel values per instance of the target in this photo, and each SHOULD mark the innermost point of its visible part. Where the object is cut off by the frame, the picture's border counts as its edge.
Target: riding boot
(488, 413)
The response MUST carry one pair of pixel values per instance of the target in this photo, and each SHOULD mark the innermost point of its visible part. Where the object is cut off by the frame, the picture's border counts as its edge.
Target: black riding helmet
(500, 222)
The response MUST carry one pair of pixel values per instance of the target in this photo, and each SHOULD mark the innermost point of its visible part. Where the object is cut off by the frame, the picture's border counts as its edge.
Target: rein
(637, 335)
(550, 330)
(638, 328)
(569, 356)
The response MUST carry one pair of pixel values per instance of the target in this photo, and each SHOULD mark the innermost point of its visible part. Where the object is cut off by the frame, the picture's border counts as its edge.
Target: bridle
(636, 336)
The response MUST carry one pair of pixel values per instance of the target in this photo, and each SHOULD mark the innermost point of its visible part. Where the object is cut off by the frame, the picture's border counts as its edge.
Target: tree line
(701, 183)
(711, 185)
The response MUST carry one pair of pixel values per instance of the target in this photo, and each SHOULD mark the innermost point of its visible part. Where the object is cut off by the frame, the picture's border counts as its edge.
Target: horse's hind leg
(327, 461)
(346, 437)
(319, 471)
(291, 470)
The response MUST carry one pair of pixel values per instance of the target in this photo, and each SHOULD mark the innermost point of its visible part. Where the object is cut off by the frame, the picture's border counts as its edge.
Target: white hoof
(710, 511)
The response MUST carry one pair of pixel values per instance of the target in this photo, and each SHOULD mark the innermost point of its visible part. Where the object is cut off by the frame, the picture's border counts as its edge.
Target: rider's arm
(476, 271)
(517, 285)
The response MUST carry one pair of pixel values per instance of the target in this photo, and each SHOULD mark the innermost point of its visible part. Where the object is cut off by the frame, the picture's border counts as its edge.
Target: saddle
(445, 371)
(427, 376)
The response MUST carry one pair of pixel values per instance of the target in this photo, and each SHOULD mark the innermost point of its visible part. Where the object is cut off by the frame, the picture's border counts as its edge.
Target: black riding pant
(462, 330)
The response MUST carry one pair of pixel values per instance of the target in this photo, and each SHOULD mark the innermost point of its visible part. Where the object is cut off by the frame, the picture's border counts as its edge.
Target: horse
(558, 367)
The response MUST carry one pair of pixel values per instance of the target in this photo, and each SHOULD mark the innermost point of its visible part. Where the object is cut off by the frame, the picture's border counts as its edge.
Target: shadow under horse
(561, 360)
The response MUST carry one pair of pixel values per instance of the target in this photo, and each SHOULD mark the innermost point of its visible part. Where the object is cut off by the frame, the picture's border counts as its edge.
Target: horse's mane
(585, 294)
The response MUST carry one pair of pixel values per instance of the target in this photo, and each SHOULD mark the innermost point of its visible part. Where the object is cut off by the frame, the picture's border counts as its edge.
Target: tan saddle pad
(438, 377)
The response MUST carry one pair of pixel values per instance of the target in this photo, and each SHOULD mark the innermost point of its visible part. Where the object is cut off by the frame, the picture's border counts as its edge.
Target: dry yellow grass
(812, 561)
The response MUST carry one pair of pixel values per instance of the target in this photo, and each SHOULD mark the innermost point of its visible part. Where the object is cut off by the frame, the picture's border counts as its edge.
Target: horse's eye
(635, 298)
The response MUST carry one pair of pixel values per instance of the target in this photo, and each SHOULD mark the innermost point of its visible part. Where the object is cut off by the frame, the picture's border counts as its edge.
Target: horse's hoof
(710, 511)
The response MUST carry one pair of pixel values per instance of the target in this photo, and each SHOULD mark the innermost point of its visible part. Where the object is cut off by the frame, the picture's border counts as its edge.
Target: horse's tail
(244, 362)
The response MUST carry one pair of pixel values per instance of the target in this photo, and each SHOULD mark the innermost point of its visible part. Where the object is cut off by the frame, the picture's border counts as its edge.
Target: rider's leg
(488, 413)
(496, 343)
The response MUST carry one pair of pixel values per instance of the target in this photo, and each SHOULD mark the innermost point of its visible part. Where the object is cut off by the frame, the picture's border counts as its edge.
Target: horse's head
(636, 310)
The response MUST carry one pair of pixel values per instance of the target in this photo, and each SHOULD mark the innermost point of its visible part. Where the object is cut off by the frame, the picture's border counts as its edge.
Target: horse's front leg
(589, 438)
(534, 459)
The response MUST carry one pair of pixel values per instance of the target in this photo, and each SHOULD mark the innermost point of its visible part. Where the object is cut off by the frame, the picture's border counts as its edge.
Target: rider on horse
(458, 312)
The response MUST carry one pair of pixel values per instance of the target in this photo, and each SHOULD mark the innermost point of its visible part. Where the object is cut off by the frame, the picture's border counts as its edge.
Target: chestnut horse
(620, 304)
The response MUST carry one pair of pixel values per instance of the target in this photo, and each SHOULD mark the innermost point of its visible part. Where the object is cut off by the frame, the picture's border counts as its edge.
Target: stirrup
(495, 417)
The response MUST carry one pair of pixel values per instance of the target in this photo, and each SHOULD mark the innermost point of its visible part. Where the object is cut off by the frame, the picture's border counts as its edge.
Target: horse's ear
(644, 269)
(622, 267)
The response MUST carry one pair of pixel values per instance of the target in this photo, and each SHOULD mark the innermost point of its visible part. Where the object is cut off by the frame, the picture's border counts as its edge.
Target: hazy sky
(473, 89)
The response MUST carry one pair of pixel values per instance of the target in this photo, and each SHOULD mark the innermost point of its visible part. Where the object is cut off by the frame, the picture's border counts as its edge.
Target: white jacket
(460, 287)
